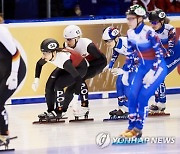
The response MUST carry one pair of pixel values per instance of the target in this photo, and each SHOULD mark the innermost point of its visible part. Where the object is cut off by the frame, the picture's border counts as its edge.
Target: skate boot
(80, 112)
(50, 117)
(125, 132)
(112, 113)
(122, 114)
(54, 115)
(157, 110)
(115, 114)
(132, 133)
(46, 114)
(43, 115)
(4, 140)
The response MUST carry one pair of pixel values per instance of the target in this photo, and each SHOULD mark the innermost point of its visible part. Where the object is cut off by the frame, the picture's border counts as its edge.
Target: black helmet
(137, 10)
(157, 15)
(49, 45)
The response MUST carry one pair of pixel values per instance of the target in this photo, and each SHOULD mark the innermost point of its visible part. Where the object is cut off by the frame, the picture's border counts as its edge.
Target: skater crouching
(166, 32)
(118, 44)
(71, 68)
(96, 60)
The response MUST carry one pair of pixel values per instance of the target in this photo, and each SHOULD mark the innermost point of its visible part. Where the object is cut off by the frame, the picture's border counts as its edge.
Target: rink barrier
(92, 28)
(91, 96)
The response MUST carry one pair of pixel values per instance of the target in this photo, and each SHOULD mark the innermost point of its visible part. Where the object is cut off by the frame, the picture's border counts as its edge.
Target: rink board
(30, 35)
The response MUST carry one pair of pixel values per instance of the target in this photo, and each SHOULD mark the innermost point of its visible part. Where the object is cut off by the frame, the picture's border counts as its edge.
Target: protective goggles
(108, 41)
(154, 22)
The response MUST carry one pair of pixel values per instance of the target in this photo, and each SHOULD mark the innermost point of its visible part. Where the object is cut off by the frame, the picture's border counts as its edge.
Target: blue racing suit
(144, 41)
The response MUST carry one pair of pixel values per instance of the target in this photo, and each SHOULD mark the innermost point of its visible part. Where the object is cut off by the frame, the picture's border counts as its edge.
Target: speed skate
(77, 118)
(51, 117)
(80, 111)
(117, 115)
(6, 145)
(155, 110)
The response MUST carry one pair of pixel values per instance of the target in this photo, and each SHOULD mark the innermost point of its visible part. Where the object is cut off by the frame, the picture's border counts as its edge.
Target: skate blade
(156, 114)
(81, 120)
(4, 150)
(6, 147)
(116, 119)
(12, 138)
(119, 118)
(52, 121)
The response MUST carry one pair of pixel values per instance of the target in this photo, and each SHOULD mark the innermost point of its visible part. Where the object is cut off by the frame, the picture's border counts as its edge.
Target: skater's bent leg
(49, 90)
(68, 97)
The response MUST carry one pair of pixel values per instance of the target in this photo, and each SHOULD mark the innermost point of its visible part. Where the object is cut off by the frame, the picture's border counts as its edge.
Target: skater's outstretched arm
(38, 69)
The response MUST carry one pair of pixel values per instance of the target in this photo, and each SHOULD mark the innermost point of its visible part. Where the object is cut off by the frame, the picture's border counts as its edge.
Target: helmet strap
(138, 23)
(162, 23)
(52, 56)
(115, 40)
(76, 41)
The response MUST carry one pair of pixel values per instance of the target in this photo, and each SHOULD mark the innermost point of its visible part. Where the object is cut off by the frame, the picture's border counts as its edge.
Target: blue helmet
(110, 33)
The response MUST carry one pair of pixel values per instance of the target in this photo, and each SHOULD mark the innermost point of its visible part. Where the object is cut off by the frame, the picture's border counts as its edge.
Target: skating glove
(35, 84)
(148, 78)
(117, 71)
(12, 81)
(106, 68)
(125, 78)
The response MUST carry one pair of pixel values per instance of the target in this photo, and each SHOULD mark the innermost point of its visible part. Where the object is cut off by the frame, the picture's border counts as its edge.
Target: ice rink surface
(80, 138)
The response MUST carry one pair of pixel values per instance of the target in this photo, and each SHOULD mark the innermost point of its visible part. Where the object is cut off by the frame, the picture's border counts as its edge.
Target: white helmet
(72, 31)
(110, 33)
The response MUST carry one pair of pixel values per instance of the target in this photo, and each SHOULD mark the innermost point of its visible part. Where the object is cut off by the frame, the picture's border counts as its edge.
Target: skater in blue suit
(152, 70)
(167, 34)
(118, 44)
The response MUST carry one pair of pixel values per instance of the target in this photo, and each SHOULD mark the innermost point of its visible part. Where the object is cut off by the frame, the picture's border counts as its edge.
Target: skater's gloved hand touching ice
(125, 78)
(149, 77)
(78, 85)
(12, 81)
(35, 84)
(117, 71)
